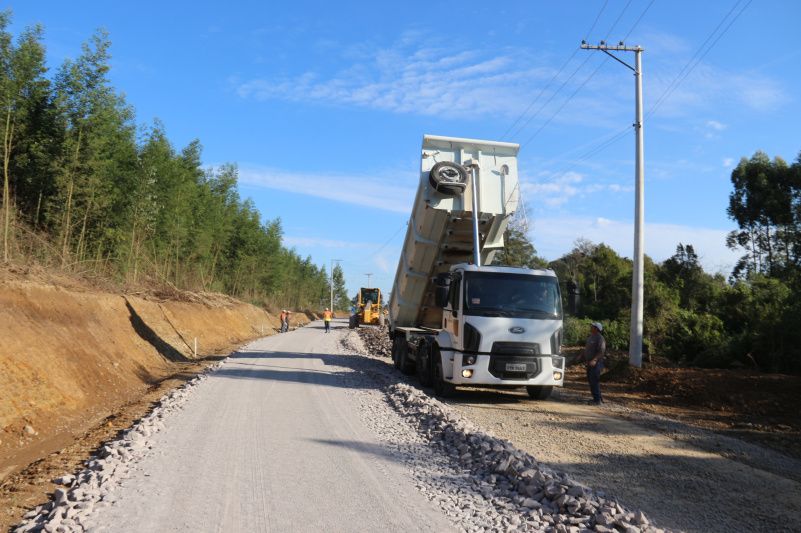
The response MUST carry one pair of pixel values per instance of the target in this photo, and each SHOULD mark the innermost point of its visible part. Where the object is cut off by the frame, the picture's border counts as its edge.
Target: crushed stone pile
(542, 498)
(376, 341)
(94, 486)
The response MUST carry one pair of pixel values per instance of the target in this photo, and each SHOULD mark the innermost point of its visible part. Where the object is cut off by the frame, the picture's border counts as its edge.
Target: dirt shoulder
(33, 484)
(756, 407)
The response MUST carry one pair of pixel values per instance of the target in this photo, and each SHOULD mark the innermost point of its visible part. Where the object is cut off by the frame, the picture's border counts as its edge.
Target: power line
(696, 59)
(390, 239)
(597, 17)
(545, 88)
(553, 95)
(567, 101)
(636, 22)
(625, 8)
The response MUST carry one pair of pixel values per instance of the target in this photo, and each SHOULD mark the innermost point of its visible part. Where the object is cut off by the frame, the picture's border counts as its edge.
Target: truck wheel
(407, 365)
(442, 388)
(448, 177)
(424, 365)
(539, 392)
(396, 351)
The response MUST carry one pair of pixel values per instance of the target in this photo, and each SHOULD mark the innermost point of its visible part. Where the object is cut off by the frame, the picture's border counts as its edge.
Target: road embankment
(70, 357)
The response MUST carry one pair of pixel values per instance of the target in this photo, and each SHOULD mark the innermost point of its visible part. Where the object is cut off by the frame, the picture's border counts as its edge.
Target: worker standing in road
(327, 316)
(284, 317)
(593, 357)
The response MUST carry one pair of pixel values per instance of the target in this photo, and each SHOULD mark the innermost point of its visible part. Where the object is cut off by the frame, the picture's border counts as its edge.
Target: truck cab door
(451, 315)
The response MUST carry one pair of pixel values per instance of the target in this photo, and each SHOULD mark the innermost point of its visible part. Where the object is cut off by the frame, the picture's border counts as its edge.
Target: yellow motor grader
(368, 308)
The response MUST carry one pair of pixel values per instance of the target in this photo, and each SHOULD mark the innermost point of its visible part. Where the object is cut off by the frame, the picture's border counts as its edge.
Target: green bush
(576, 331)
(693, 334)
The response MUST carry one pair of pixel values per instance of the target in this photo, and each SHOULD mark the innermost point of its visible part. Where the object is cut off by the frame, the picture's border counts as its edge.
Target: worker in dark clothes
(593, 357)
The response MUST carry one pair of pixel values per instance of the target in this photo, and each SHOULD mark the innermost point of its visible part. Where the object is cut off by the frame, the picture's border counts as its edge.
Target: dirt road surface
(684, 479)
(259, 447)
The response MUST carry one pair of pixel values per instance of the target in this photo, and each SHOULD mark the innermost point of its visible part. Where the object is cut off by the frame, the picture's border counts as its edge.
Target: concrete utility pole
(332, 282)
(637, 281)
(369, 275)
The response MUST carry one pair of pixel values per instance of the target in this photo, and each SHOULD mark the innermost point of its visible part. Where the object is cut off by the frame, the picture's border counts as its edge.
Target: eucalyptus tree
(23, 89)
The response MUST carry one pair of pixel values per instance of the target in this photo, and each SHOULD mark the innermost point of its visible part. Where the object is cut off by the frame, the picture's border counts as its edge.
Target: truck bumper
(491, 370)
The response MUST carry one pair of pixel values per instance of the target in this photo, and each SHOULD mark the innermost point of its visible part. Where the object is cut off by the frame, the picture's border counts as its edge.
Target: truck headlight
(557, 376)
(468, 360)
(557, 361)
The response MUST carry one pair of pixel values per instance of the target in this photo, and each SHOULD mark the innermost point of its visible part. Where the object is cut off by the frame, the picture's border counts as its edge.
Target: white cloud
(554, 236)
(708, 85)
(385, 192)
(728, 162)
(715, 125)
(556, 190)
(413, 78)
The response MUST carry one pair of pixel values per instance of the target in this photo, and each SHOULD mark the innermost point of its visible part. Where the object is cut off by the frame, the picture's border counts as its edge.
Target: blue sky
(323, 106)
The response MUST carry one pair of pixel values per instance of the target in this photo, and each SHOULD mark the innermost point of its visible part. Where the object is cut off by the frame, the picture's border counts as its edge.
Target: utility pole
(637, 278)
(332, 282)
(369, 274)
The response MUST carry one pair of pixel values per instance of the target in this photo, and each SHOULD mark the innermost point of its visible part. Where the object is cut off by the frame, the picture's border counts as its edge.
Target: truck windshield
(512, 295)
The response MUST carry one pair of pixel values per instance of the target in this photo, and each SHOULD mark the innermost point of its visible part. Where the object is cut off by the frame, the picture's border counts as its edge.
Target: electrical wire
(555, 76)
(697, 57)
(625, 8)
(567, 101)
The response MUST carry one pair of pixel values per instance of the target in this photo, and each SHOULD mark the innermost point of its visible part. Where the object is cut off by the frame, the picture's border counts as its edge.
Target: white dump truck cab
(501, 326)
(453, 320)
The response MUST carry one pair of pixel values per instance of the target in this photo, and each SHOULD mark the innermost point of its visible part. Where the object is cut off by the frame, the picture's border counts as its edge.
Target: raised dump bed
(440, 231)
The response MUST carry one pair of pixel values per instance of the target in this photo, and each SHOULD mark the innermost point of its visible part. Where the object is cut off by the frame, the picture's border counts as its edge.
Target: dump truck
(454, 319)
(367, 309)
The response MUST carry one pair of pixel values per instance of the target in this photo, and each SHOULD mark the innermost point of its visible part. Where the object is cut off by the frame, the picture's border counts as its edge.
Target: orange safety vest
(327, 316)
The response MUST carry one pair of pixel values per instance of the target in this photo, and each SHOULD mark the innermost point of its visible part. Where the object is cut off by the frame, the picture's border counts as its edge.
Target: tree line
(87, 191)
(752, 318)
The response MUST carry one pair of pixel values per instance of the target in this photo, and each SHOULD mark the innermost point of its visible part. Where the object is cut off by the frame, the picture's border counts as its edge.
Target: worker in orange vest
(284, 317)
(327, 316)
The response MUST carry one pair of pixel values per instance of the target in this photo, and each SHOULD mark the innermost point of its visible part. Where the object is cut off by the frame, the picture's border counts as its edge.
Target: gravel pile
(540, 497)
(94, 486)
(481, 482)
(376, 341)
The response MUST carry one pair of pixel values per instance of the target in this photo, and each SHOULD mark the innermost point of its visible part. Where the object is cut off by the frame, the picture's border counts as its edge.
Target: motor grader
(368, 309)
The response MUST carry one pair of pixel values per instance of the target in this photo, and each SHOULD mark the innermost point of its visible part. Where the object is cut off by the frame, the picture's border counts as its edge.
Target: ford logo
(517, 329)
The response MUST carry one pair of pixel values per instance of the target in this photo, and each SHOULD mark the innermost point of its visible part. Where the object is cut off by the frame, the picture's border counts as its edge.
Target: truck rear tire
(400, 356)
(539, 392)
(442, 388)
(423, 365)
(396, 351)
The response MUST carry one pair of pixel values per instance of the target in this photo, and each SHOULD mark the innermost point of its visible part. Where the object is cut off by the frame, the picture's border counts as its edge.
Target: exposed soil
(78, 363)
(754, 406)
(32, 485)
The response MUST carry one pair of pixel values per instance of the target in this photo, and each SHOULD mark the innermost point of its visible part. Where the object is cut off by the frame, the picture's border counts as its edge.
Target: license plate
(515, 367)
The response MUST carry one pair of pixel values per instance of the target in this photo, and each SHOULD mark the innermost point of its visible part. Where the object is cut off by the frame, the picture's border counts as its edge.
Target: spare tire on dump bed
(448, 177)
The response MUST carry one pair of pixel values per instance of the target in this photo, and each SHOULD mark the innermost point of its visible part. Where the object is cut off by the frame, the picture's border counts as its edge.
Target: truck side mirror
(441, 296)
(442, 287)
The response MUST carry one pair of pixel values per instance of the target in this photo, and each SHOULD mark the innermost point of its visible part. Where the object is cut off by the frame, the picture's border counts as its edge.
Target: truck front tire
(539, 392)
(442, 388)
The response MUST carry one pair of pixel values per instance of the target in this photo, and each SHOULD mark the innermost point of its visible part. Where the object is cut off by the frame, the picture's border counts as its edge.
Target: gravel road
(271, 441)
(307, 432)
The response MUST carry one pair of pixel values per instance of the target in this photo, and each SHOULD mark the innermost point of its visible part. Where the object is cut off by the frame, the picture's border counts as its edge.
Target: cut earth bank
(72, 357)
